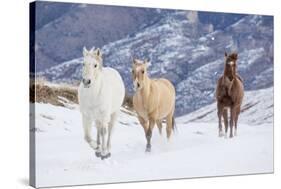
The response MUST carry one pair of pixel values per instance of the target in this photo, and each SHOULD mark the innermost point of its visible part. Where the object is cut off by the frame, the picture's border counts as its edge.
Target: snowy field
(195, 150)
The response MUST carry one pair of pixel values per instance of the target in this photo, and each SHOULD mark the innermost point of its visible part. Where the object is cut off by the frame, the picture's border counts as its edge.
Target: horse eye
(95, 65)
(142, 71)
(133, 72)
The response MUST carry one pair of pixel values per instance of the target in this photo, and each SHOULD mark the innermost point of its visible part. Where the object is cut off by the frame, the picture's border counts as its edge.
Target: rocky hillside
(62, 29)
(190, 52)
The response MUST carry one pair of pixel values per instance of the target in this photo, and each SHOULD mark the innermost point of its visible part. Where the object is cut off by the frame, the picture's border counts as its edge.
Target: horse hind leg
(169, 127)
(110, 127)
(225, 119)
(159, 125)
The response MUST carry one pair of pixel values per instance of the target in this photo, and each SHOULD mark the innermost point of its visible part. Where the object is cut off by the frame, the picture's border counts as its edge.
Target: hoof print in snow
(199, 133)
(221, 134)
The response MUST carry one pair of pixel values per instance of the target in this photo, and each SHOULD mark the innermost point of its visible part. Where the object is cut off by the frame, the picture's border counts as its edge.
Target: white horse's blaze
(100, 101)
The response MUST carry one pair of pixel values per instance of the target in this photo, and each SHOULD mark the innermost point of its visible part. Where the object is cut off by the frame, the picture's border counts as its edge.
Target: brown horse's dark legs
(225, 119)
(236, 120)
(219, 116)
(232, 118)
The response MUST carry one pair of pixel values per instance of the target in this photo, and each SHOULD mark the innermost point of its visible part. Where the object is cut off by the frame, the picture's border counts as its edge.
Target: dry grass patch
(62, 94)
(41, 91)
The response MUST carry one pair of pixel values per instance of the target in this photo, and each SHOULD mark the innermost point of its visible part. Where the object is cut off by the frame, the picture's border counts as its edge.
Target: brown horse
(154, 101)
(229, 94)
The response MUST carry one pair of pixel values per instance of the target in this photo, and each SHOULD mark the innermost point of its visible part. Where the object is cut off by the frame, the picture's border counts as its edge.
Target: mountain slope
(184, 51)
(64, 28)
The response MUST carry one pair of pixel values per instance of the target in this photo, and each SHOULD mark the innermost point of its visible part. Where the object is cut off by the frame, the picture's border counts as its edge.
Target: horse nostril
(138, 85)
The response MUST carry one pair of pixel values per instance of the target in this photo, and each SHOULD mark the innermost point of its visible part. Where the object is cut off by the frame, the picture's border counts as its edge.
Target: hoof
(221, 134)
(148, 148)
(98, 154)
(105, 156)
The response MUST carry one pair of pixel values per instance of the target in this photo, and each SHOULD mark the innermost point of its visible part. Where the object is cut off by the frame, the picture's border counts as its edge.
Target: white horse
(100, 96)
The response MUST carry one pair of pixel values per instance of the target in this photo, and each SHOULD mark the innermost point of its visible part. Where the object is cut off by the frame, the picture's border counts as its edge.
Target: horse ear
(147, 62)
(134, 60)
(99, 53)
(85, 51)
(225, 54)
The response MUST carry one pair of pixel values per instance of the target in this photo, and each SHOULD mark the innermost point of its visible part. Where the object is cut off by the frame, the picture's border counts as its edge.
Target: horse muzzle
(136, 86)
(86, 83)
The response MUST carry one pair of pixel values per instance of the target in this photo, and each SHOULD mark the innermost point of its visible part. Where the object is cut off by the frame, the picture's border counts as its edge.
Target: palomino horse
(154, 100)
(229, 95)
(100, 96)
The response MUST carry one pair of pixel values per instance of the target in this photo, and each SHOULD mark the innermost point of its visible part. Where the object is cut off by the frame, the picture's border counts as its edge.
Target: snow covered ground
(195, 150)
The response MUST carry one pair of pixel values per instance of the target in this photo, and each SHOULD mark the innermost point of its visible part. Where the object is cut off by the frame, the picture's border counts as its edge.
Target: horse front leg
(232, 117)
(225, 119)
(103, 133)
(144, 124)
(103, 143)
(149, 134)
(87, 126)
(219, 113)
(98, 149)
(236, 120)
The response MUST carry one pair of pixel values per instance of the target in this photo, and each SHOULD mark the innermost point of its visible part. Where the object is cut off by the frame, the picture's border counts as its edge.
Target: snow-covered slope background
(186, 47)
